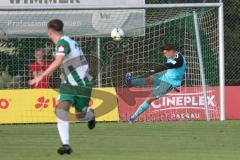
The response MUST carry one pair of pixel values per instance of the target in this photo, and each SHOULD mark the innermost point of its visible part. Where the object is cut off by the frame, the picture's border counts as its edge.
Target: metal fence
(232, 42)
(232, 36)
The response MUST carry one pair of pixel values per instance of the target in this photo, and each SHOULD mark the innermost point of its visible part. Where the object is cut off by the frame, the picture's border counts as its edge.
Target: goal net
(22, 32)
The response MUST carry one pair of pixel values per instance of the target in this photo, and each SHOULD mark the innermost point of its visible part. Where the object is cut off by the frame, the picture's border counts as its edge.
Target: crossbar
(107, 7)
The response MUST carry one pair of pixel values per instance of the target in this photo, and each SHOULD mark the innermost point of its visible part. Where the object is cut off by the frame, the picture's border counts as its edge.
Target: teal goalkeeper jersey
(176, 68)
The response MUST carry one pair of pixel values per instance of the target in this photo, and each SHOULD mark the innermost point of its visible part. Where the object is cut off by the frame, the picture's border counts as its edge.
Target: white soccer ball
(117, 34)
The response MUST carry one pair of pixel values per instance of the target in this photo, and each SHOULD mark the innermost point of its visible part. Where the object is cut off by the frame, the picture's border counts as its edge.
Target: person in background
(38, 67)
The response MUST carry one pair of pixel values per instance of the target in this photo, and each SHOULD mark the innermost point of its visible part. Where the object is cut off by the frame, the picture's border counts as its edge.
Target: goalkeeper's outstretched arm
(159, 69)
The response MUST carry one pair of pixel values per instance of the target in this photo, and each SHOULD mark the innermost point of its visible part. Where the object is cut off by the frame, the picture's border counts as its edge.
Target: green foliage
(8, 82)
(9, 48)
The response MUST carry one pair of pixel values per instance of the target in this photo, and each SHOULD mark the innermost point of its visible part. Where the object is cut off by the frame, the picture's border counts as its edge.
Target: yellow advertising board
(38, 105)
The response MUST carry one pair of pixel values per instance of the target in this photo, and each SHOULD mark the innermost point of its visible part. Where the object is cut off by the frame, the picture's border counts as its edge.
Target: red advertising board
(232, 94)
(188, 104)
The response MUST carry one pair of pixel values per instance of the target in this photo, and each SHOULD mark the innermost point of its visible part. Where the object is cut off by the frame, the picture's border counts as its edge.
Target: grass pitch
(120, 141)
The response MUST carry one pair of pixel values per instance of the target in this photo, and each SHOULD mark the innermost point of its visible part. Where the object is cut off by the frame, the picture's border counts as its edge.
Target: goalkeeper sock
(143, 107)
(138, 82)
(63, 129)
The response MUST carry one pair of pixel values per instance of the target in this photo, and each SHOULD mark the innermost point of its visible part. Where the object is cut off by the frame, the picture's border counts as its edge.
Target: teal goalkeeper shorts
(160, 88)
(79, 96)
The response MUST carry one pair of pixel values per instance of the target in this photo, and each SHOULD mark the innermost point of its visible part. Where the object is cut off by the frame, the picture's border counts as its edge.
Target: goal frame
(219, 5)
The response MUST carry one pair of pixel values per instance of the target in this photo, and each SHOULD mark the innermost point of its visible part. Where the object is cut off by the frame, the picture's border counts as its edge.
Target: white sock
(63, 129)
(63, 125)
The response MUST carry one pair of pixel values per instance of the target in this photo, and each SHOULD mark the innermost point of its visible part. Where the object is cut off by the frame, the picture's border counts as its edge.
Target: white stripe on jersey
(71, 80)
(82, 71)
(75, 53)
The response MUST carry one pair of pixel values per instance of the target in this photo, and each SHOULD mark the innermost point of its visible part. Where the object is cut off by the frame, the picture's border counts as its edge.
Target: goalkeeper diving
(165, 78)
(76, 86)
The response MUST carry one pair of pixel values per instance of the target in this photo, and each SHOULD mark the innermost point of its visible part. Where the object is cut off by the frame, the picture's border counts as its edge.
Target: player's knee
(61, 114)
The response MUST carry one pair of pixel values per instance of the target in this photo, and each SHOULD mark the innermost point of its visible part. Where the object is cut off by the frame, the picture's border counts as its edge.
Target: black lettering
(35, 1)
(14, 1)
(77, 1)
(63, 1)
(50, 1)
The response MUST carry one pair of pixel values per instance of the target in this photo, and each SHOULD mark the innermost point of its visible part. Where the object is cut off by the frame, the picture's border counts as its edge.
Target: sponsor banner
(38, 105)
(97, 23)
(232, 94)
(188, 104)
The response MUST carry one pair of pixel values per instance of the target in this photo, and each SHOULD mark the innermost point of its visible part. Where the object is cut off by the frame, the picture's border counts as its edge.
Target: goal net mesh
(22, 32)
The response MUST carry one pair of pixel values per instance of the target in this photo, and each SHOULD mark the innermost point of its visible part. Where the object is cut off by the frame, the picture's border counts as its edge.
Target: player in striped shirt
(76, 86)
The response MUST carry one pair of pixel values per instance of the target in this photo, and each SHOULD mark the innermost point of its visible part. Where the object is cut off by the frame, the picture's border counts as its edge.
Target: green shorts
(79, 96)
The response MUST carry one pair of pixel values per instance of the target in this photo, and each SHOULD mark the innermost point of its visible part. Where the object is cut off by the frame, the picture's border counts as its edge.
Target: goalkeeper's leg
(140, 82)
(158, 91)
(142, 108)
(62, 112)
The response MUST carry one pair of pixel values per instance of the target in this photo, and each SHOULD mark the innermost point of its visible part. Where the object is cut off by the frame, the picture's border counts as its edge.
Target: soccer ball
(117, 34)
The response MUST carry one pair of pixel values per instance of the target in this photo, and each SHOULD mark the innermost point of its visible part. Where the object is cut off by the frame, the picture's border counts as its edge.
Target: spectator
(39, 66)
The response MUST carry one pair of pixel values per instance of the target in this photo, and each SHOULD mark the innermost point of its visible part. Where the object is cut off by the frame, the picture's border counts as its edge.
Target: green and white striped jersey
(74, 70)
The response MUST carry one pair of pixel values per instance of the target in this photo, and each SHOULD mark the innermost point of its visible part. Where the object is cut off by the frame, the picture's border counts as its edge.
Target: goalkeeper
(166, 78)
(76, 86)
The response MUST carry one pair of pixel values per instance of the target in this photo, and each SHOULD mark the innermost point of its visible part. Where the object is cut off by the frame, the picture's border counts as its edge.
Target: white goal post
(220, 33)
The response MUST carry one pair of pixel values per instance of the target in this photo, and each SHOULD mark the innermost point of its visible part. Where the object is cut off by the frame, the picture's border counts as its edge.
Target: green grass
(119, 141)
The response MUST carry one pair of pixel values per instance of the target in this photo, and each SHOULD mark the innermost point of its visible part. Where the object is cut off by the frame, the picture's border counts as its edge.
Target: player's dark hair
(169, 47)
(56, 24)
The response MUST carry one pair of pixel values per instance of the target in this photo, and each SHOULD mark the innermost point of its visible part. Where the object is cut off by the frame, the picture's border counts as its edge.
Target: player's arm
(55, 64)
(63, 49)
(48, 65)
(159, 68)
(32, 71)
(176, 63)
